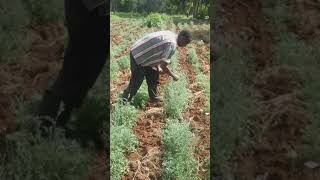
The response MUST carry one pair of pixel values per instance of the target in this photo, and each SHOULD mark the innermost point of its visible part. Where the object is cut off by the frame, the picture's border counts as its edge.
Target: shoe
(156, 99)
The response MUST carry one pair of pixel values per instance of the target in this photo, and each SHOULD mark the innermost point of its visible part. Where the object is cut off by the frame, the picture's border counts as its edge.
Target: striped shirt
(154, 48)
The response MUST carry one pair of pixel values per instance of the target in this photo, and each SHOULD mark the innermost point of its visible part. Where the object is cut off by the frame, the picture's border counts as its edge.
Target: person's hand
(175, 77)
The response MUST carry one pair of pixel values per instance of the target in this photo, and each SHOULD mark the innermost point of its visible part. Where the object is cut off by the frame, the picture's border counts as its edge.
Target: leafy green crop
(31, 157)
(178, 142)
(123, 114)
(194, 60)
(124, 63)
(140, 99)
(175, 97)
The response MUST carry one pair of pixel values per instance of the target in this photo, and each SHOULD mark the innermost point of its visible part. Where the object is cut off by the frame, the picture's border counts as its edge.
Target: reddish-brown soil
(276, 125)
(194, 113)
(306, 19)
(30, 74)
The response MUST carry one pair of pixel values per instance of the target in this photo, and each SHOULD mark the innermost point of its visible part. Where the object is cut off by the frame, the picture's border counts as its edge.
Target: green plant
(123, 114)
(175, 97)
(87, 122)
(178, 142)
(194, 60)
(231, 102)
(140, 99)
(45, 11)
(118, 163)
(114, 68)
(157, 20)
(13, 21)
(124, 63)
(32, 157)
(204, 82)
(122, 140)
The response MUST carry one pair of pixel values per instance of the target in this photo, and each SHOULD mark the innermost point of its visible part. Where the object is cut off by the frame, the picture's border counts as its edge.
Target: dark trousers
(137, 76)
(84, 58)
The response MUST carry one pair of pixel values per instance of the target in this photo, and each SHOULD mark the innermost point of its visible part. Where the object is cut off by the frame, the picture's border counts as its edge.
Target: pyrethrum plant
(194, 60)
(123, 114)
(140, 99)
(13, 21)
(204, 82)
(175, 97)
(114, 68)
(45, 11)
(31, 157)
(124, 63)
(178, 143)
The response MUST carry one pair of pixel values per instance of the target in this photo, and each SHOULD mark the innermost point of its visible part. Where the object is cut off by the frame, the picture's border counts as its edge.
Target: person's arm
(165, 69)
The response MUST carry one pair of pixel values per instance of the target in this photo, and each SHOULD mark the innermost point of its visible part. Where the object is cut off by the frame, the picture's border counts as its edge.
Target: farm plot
(168, 140)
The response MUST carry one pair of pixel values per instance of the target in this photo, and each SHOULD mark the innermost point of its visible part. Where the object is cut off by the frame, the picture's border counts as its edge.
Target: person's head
(184, 38)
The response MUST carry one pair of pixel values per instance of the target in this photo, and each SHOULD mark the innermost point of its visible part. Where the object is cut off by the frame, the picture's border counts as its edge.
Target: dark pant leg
(84, 59)
(137, 77)
(152, 77)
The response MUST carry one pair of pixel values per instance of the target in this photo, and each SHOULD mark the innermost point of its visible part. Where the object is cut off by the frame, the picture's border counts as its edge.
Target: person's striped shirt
(154, 48)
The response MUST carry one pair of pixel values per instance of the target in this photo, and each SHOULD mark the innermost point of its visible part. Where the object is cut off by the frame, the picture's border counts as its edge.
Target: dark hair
(186, 35)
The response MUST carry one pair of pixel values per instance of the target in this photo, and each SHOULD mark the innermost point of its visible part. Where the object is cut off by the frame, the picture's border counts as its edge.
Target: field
(169, 140)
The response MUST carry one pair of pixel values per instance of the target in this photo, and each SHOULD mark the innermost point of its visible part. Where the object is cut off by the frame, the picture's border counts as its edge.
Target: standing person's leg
(152, 77)
(84, 58)
(137, 77)
(88, 33)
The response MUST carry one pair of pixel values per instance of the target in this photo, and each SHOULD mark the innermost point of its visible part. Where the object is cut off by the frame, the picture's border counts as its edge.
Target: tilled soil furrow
(194, 113)
(276, 125)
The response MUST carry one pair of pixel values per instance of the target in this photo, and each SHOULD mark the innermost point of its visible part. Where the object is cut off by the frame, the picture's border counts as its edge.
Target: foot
(156, 99)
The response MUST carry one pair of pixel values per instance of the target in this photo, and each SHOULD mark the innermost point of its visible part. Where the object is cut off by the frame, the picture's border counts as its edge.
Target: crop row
(201, 78)
(178, 140)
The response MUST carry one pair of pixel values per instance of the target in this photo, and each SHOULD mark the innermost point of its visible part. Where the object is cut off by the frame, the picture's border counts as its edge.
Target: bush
(123, 114)
(157, 20)
(13, 20)
(45, 11)
(175, 97)
(178, 142)
(124, 63)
